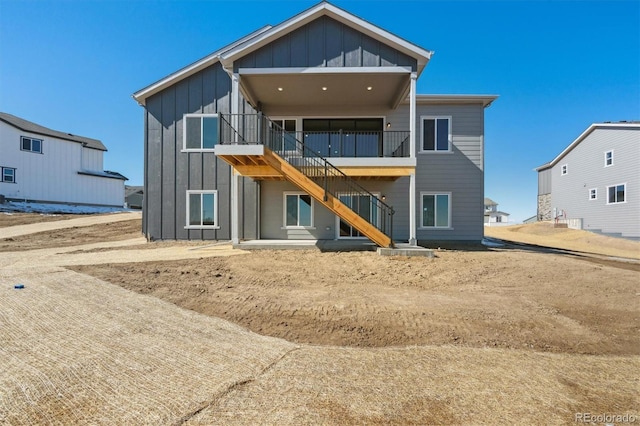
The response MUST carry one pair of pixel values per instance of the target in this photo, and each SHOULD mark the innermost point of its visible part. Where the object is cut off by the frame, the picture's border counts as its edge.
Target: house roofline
(266, 34)
(485, 100)
(325, 8)
(590, 129)
(141, 95)
(37, 129)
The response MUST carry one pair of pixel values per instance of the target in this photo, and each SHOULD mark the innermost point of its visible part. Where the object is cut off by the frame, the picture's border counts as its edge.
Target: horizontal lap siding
(325, 42)
(460, 173)
(170, 172)
(585, 167)
(272, 213)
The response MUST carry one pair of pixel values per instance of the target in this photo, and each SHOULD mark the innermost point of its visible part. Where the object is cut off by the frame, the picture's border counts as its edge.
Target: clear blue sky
(558, 66)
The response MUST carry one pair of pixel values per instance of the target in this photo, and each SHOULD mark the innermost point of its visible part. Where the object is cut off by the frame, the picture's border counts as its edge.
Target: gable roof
(267, 34)
(28, 126)
(583, 136)
(489, 202)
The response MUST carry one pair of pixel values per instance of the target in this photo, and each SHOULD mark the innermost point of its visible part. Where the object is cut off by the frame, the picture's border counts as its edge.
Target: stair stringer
(344, 212)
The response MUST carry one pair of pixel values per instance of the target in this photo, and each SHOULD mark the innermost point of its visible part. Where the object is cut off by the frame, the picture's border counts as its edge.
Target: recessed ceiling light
(280, 89)
(324, 88)
(369, 88)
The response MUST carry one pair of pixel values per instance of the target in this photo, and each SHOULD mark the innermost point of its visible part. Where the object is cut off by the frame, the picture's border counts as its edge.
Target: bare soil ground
(544, 234)
(505, 335)
(13, 219)
(77, 235)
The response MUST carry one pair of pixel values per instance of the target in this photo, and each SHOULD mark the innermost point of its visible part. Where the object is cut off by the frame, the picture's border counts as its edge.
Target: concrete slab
(321, 245)
(405, 250)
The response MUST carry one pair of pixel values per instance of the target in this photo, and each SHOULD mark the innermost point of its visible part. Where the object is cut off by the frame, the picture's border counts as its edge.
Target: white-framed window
(31, 144)
(8, 174)
(435, 134)
(298, 210)
(366, 206)
(202, 210)
(564, 169)
(436, 210)
(199, 132)
(616, 193)
(608, 158)
(593, 194)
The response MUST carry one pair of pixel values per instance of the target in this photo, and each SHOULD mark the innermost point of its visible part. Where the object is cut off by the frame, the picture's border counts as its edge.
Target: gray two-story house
(595, 181)
(312, 130)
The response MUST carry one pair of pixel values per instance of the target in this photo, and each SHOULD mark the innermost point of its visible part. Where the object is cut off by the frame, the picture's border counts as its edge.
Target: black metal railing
(258, 129)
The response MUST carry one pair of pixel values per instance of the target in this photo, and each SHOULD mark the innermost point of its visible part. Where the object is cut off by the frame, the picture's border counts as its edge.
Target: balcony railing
(334, 144)
(257, 129)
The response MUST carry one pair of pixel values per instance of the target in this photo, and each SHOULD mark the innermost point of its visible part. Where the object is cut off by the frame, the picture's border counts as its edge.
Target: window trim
(2, 179)
(564, 169)
(593, 194)
(31, 139)
(449, 150)
(215, 208)
(609, 203)
(184, 131)
(284, 211)
(449, 211)
(605, 158)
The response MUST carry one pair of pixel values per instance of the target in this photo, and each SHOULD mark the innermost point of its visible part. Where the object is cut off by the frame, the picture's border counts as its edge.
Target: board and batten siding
(586, 170)
(52, 176)
(325, 42)
(461, 173)
(170, 173)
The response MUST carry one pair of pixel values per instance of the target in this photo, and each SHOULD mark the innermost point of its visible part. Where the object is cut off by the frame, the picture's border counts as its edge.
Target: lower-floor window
(616, 193)
(436, 210)
(364, 206)
(8, 175)
(298, 210)
(202, 209)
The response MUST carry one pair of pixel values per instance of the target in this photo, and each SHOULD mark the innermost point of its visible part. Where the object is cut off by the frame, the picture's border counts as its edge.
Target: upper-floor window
(608, 158)
(31, 144)
(202, 211)
(616, 193)
(8, 174)
(593, 194)
(436, 134)
(200, 132)
(564, 169)
(436, 210)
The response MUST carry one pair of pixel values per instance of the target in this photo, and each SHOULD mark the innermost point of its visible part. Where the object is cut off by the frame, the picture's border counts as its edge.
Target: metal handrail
(259, 129)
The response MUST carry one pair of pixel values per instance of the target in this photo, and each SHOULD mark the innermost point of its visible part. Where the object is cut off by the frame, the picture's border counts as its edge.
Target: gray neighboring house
(133, 196)
(595, 181)
(312, 129)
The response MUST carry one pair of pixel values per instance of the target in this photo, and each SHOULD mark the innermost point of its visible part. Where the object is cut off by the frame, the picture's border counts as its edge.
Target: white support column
(235, 178)
(235, 207)
(412, 144)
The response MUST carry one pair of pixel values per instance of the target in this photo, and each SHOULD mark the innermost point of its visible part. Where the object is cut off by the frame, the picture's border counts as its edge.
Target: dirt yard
(515, 329)
(13, 219)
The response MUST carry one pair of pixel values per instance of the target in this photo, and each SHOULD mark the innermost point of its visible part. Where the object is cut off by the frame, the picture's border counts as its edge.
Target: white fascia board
(141, 95)
(422, 55)
(325, 70)
(583, 136)
(486, 100)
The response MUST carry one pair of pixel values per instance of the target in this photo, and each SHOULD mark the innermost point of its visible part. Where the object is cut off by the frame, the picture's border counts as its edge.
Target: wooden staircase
(309, 172)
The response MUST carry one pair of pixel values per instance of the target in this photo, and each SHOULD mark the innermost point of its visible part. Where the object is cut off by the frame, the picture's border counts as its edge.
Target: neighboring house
(492, 214)
(133, 196)
(595, 181)
(42, 165)
(312, 129)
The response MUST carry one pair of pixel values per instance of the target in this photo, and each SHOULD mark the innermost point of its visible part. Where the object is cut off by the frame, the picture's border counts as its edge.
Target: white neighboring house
(493, 216)
(38, 164)
(594, 183)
